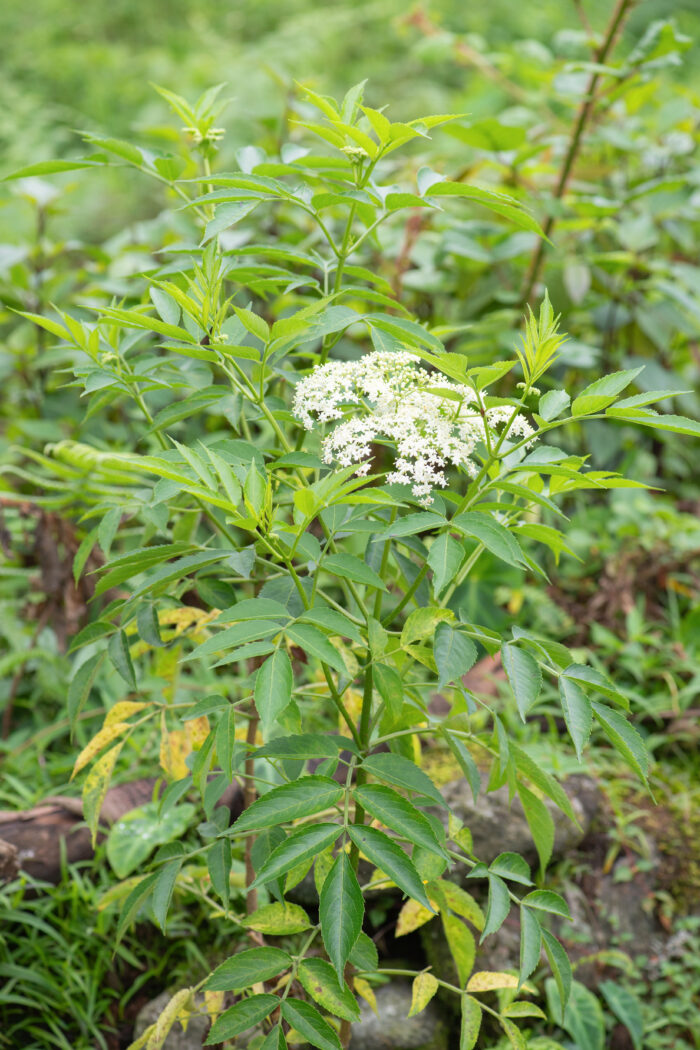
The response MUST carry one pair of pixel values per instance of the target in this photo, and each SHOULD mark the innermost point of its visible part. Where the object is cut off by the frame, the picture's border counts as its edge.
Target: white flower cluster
(432, 422)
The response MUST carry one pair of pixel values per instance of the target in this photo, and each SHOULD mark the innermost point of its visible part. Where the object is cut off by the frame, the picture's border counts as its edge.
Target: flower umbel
(387, 397)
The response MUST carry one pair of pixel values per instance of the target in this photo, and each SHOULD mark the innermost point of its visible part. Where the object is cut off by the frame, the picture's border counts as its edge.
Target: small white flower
(387, 397)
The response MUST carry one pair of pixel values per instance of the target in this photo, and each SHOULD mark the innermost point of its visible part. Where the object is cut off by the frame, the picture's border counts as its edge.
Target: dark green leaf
(498, 906)
(530, 944)
(306, 1020)
(398, 814)
(341, 909)
(300, 846)
(494, 536)
(401, 772)
(273, 688)
(578, 713)
(351, 568)
(319, 980)
(314, 642)
(385, 854)
(239, 1018)
(300, 798)
(455, 653)
(524, 676)
(121, 658)
(624, 738)
(248, 968)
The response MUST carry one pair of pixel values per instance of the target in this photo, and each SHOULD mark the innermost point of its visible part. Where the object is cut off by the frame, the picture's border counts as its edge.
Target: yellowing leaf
(367, 992)
(174, 749)
(214, 1002)
(95, 787)
(198, 729)
(352, 699)
(411, 917)
(123, 709)
(105, 736)
(424, 988)
(489, 980)
(179, 1008)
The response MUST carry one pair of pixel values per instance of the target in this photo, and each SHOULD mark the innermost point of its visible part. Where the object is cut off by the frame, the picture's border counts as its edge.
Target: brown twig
(585, 112)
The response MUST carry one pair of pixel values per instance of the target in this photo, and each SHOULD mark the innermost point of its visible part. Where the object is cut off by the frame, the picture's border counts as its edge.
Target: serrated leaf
(423, 989)
(602, 392)
(455, 653)
(540, 822)
(273, 688)
(624, 738)
(627, 1008)
(306, 1020)
(511, 866)
(300, 846)
(279, 919)
(95, 787)
(444, 558)
(530, 943)
(498, 906)
(552, 404)
(248, 968)
(559, 965)
(398, 814)
(341, 910)
(401, 772)
(471, 1022)
(578, 713)
(524, 676)
(121, 658)
(300, 798)
(314, 642)
(411, 917)
(385, 854)
(494, 536)
(547, 900)
(348, 567)
(490, 980)
(390, 688)
(461, 943)
(320, 981)
(241, 1017)
(583, 1016)
(163, 891)
(225, 741)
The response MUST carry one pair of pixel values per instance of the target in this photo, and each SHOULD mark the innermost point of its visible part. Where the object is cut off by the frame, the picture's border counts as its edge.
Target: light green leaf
(273, 688)
(136, 834)
(455, 653)
(524, 676)
(279, 919)
(540, 822)
(530, 944)
(578, 713)
(627, 1008)
(624, 738)
(349, 567)
(320, 981)
(598, 395)
(444, 558)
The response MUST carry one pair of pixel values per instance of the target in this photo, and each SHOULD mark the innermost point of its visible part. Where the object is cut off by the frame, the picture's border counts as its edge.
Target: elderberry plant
(285, 599)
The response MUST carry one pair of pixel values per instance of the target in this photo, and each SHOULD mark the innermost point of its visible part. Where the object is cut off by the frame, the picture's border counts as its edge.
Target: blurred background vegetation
(623, 271)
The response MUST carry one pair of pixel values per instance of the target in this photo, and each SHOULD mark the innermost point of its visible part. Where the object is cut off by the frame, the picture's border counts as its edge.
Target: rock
(392, 1029)
(499, 825)
(9, 861)
(192, 1039)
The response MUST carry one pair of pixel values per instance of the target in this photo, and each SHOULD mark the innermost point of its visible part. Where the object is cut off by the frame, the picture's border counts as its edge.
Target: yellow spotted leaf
(174, 749)
(98, 743)
(490, 980)
(411, 917)
(367, 992)
(424, 988)
(95, 787)
(123, 709)
(198, 729)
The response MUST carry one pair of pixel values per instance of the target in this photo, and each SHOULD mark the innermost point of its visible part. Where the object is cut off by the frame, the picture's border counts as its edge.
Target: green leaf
(385, 854)
(341, 910)
(273, 688)
(349, 567)
(559, 964)
(465, 760)
(314, 642)
(524, 676)
(227, 215)
(547, 900)
(304, 745)
(494, 536)
(134, 902)
(306, 1020)
(455, 653)
(675, 424)
(601, 684)
(511, 866)
(444, 558)
(163, 891)
(530, 944)
(421, 623)
(121, 658)
(578, 713)
(50, 167)
(280, 919)
(401, 772)
(627, 1008)
(540, 822)
(498, 906)
(274, 1040)
(364, 955)
(219, 868)
(81, 683)
(398, 814)
(300, 846)
(319, 980)
(225, 742)
(553, 403)
(239, 1018)
(598, 395)
(503, 205)
(137, 833)
(583, 1017)
(248, 968)
(335, 622)
(423, 989)
(471, 1022)
(300, 798)
(543, 781)
(449, 895)
(390, 688)
(231, 637)
(411, 524)
(624, 738)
